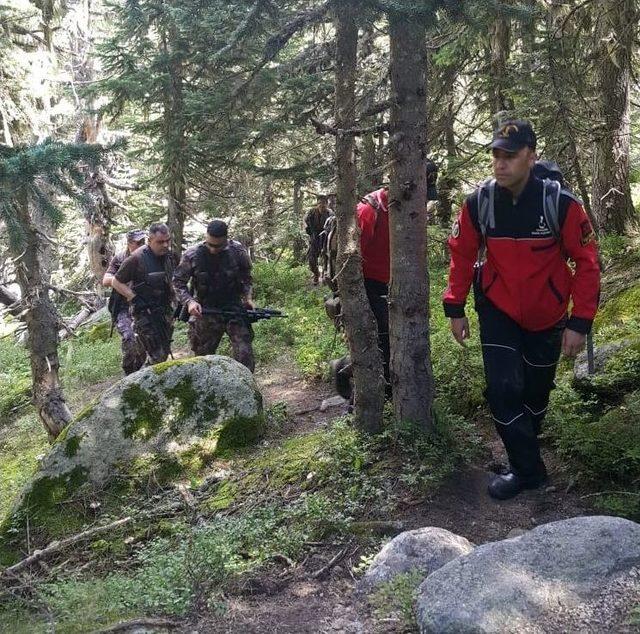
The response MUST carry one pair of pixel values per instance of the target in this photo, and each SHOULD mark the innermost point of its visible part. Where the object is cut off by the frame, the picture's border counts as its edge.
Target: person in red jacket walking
(522, 291)
(373, 220)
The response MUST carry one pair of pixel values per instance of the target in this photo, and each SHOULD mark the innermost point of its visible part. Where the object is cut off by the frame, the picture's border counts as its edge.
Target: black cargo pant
(154, 330)
(133, 353)
(520, 368)
(377, 295)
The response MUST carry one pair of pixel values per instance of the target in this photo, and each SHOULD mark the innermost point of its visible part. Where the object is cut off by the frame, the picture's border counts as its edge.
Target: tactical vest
(217, 277)
(156, 287)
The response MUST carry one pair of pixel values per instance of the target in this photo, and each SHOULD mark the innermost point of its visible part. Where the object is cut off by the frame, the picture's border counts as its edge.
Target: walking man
(314, 226)
(216, 274)
(144, 280)
(522, 293)
(133, 354)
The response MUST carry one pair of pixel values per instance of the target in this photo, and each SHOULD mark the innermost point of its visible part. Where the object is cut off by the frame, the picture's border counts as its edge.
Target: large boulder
(156, 415)
(616, 369)
(423, 550)
(580, 574)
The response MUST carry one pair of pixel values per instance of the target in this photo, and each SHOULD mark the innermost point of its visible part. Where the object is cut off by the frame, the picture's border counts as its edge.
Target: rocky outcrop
(574, 575)
(156, 415)
(423, 551)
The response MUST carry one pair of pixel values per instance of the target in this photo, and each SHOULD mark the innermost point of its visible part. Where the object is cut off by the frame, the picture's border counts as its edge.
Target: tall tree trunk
(499, 46)
(563, 148)
(411, 371)
(33, 273)
(269, 218)
(299, 246)
(176, 159)
(447, 184)
(370, 173)
(358, 319)
(615, 32)
(98, 208)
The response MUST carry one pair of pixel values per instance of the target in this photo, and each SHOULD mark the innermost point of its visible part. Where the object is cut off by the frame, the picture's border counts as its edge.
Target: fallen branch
(56, 546)
(324, 128)
(339, 557)
(123, 626)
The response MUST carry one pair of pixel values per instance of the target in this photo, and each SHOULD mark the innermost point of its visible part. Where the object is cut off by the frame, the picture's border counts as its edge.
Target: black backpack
(552, 188)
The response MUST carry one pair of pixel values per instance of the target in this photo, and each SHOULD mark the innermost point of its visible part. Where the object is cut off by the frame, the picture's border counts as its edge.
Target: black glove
(139, 302)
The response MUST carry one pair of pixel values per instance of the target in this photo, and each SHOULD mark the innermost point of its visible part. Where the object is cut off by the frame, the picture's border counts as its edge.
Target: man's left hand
(572, 342)
(248, 304)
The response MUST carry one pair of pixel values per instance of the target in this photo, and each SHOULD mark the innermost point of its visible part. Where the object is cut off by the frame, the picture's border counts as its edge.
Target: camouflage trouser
(206, 332)
(154, 332)
(313, 253)
(133, 354)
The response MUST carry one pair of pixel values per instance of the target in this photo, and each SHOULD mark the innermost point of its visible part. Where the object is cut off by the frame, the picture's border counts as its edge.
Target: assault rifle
(114, 306)
(250, 315)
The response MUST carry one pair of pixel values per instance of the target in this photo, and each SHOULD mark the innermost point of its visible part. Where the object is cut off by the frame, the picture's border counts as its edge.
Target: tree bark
(358, 319)
(563, 148)
(299, 244)
(500, 38)
(98, 208)
(176, 159)
(615, 32)
(370, 173)
(411, 371)
(447, 184)
(33, 267)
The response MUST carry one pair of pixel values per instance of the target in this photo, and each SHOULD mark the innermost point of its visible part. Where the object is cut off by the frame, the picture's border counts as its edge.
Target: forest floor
(298, 602)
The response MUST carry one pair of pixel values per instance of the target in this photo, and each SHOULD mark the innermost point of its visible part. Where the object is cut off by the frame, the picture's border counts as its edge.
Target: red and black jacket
(373, 220)
(526, 274)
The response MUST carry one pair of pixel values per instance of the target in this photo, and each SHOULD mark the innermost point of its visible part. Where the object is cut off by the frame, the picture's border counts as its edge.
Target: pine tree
(30, 177)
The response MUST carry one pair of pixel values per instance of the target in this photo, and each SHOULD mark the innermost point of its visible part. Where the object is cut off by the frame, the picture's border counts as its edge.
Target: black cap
(217, 229)
(513, 135)
(136, 235)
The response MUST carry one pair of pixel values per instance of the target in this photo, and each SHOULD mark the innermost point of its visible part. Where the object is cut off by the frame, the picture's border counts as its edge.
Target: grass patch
(395, 600)
(20, 444)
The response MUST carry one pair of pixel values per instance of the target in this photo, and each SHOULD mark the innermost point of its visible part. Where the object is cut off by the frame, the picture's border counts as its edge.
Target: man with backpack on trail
(314, 223)
(133, 353)
(511, 241)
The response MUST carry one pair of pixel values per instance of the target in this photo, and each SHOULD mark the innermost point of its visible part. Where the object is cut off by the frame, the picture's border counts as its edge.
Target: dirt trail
(297, 603)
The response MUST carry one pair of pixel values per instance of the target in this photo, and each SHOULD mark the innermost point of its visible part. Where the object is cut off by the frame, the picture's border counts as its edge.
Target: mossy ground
(292, 491)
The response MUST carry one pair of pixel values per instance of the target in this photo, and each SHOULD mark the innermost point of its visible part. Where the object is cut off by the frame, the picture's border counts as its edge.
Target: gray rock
(516, 532)
(155, 414)
(332, 401)
(601, 354)
(538, 582)
(423, 550)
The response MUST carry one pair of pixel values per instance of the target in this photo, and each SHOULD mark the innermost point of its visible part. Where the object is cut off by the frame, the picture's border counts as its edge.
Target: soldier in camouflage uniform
(133, 354)
(216, 274)
(313, 226)
(144, 279)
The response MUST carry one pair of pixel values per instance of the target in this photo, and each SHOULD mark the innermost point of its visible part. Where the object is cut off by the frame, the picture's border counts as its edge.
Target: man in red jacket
(373, 220)
(522, 293)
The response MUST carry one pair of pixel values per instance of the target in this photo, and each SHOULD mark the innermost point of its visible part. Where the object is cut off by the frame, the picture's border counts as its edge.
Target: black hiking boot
(507, 486)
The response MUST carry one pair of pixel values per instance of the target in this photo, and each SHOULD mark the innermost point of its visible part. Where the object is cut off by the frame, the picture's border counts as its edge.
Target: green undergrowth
(307, 331)
(395, 600)
(594, 423)
(276, 499)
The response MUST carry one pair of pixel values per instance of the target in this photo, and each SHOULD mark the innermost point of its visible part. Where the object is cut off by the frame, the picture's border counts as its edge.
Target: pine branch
(323, 128)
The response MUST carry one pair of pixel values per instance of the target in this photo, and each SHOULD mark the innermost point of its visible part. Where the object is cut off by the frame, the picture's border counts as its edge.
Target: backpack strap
(486, 196)
(551, 192)
(551, 206)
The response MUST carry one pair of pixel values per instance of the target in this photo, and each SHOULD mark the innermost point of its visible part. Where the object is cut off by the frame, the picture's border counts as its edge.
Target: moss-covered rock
(617, 370)
(163, 422)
